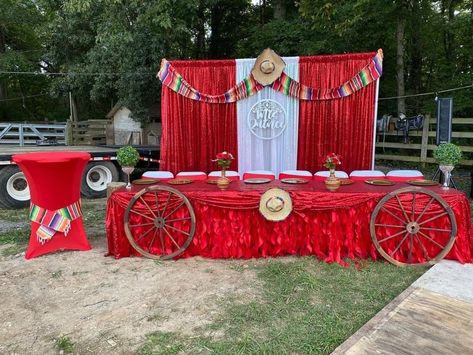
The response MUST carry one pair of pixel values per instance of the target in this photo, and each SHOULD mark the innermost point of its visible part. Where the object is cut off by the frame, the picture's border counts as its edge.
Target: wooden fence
(90, 132)
(421, 143)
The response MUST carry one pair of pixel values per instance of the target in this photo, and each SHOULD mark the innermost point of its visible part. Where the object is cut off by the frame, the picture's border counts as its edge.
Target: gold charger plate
(380, 182)
(212, 181)
(294, 181)
(422, 182)
(144, 181)
(179, 181)
(257, 181)
(346, 181)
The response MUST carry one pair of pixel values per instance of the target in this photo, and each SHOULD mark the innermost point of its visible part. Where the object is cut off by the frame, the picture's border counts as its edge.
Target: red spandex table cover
(54, 180)
(330, 225)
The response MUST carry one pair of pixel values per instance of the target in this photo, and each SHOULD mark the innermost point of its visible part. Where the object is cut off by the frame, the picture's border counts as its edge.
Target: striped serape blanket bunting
(284, 84)
(54, 221)
(173, 80)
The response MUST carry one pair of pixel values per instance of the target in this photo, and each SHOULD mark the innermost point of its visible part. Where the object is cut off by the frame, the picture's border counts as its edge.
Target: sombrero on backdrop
(275, 204)
(268, 67)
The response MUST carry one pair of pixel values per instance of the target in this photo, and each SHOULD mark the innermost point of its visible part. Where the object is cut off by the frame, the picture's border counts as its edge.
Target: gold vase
(332, 183)
(223, 181)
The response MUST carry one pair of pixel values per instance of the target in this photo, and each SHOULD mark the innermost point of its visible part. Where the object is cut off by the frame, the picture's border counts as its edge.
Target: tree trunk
(416, 52)
(3, 86)
(200, 33)
(215, 33)
(447, 9)
(279, 10)
(401, 102)
(262, 10)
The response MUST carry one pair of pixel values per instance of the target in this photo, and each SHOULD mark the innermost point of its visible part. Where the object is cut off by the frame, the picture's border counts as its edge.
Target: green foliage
(115, 47)
(448, 154)
(21, 49)
(64, 344)
(16, 239)
(128, 156)
(15, 236)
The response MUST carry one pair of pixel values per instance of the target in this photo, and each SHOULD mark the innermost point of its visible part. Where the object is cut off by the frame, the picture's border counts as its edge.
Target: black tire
(96, 176)
(14, 191)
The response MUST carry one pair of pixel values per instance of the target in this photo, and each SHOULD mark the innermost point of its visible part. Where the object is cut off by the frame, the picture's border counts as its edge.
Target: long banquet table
(329, 225)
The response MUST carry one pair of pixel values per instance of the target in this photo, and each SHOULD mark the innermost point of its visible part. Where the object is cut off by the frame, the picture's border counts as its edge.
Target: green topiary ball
(127, 156)
(448, 154)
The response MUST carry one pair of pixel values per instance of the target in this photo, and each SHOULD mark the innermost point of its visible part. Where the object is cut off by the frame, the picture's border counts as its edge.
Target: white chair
(230, 174)
(192, 175)
(404, 175)
(324, 174)
(158, 175)
(302, 174)
(366, 174)
(254, 174)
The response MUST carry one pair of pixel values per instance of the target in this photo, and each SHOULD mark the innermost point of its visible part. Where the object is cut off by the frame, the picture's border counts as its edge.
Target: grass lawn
(15, 240)
(307, 307)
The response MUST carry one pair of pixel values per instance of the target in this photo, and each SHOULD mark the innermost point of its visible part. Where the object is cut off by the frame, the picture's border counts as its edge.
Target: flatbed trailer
(102, 169)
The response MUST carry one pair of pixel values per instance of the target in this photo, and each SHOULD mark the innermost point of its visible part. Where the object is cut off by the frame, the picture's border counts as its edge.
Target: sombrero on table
(275, 204)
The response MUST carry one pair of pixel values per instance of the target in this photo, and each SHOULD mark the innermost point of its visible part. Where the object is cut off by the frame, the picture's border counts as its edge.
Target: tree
(20, 50)
(110, 50)
(126, 42)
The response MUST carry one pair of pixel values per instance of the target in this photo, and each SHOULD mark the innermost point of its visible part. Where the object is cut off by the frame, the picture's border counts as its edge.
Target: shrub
(448, 154)
(127, 156)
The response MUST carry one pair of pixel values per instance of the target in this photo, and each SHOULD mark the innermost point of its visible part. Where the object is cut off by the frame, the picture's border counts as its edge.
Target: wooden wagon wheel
(159, 222)
(410, 222)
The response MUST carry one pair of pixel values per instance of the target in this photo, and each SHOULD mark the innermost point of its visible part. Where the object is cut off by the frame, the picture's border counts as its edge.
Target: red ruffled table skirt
(329, 225)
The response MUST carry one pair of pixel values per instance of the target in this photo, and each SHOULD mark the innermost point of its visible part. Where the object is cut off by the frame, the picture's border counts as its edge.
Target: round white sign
(267, 119)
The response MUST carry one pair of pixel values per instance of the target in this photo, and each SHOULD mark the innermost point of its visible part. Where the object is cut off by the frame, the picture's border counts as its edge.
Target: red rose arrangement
(224, 159)
(332, 160)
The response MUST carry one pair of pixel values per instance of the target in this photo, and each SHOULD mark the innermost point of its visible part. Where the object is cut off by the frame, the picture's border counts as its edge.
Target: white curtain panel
(266, 146)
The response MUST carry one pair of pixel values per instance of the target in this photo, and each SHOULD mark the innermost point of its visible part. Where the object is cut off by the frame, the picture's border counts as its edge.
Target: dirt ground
(107, 306)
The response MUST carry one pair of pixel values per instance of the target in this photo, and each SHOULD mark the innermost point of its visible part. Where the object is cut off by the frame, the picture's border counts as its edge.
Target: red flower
(224, 159)
(331, 160)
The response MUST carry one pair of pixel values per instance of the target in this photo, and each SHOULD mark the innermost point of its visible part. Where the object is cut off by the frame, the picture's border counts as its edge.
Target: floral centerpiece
(223, 159)
(330, 162)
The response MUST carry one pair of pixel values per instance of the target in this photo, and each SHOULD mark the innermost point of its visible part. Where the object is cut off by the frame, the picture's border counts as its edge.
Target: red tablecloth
(329, 225)
(54, 180)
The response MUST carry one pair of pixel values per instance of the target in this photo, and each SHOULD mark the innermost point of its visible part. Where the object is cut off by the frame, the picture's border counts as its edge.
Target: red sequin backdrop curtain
(343, 126)
(194, 132)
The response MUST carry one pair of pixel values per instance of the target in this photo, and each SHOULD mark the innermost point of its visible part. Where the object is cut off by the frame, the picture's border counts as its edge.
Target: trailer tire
(14, 191)
(96, 177)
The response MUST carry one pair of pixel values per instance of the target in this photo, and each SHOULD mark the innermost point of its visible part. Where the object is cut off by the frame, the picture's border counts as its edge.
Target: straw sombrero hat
(268, 67)
(275, 204)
